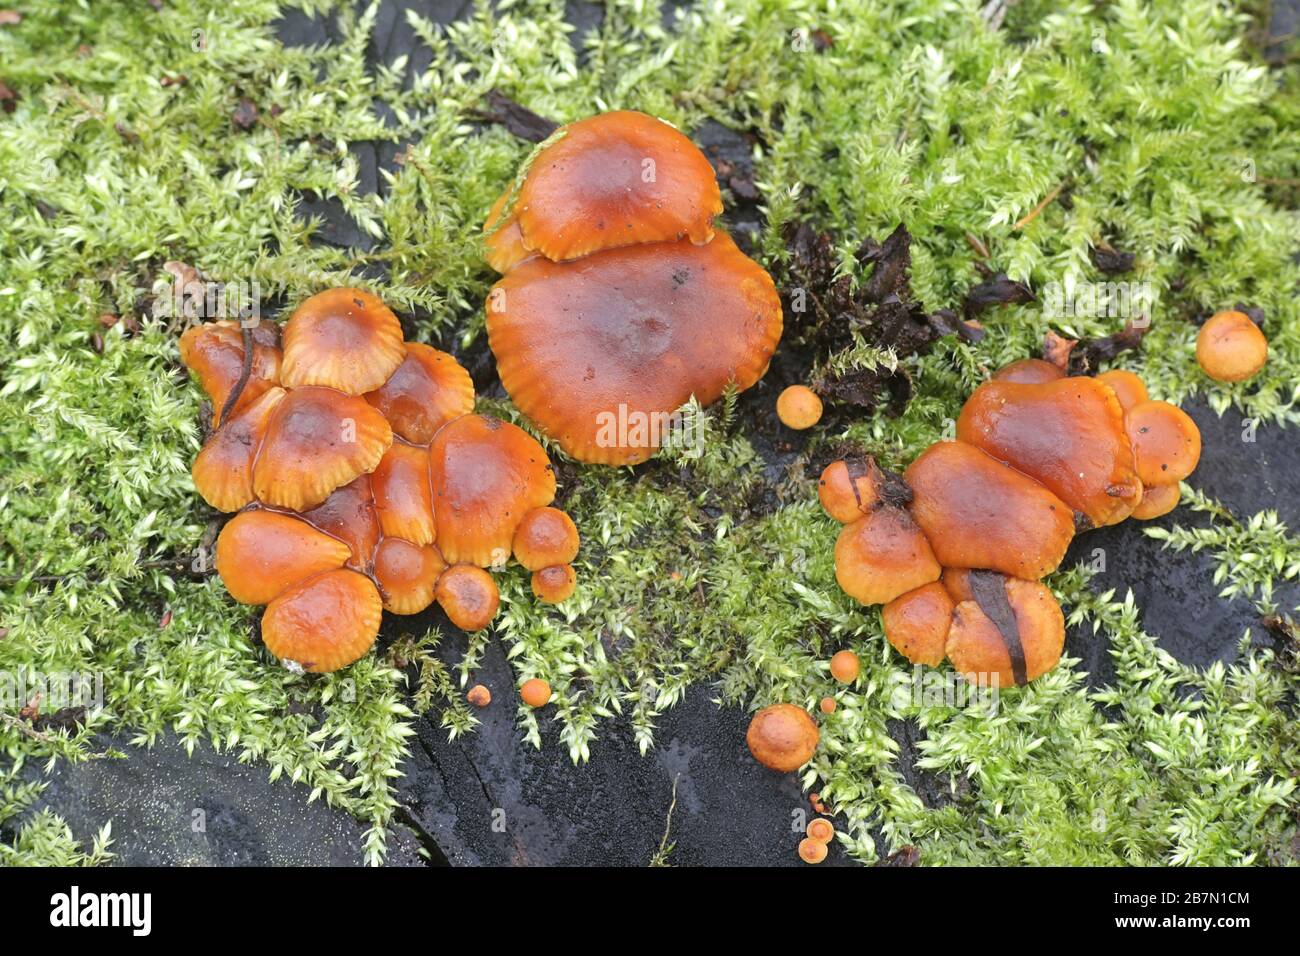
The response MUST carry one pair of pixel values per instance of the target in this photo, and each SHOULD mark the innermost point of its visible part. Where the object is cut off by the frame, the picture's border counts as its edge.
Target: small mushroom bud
(799, 408)
(882, 555)
(782, 737)
(821, 830)
(827, 705)
(554, 584)
(468, 596)
(1165, 440)
(812, 851)
(545, 537)
(1230, 347)
(845, 667)
(917, 623)
(1029, 371)
(535, 692)
(850, 488)
(1128, 388)
(1157, 500)
(1011, 633)
(479, 696)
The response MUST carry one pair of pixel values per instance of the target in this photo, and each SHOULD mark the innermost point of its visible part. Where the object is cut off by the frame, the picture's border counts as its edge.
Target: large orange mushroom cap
(427, 390)
(1029, 371)
(882, 555)
(613, 180)
(261, 553)
(1165, 440)
(325, 622)
(1067, 434)
(1011, 633)
(342, 338)
(223, 469)
(349, 515)
(403, 498)
(978, 513)
(600, 352)
(407, 574)
(214, 352)
(318, 439)
(487, 474)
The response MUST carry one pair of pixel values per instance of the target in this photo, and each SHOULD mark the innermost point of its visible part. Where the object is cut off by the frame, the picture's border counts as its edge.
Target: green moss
(1173, 143)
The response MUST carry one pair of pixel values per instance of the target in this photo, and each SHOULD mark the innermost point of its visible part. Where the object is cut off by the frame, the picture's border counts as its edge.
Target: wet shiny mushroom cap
(1067, 434)
(407, 574)
(1128, 388)
(612, 180)
(1029, 371)
(318, 439)
(325, 622)
(349, 515)
(917, 623)
(468, 596)
(978, 513)
(554, 584)
(1010, 633)
(882, 555)
(487, 475)
(262, 553)
(403, 498)
(1230, 347)
(1165, 441)
(1157, 500)
(601, 352)
(214, 352)
(502, 238)
(223, 469)
(345, 339)
(782, 737)
(429, 389)
(545, 537)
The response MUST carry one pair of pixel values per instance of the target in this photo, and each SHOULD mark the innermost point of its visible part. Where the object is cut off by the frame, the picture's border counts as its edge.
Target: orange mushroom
(545, 537)
(956, 581)
(487, 475)
(612, 180)
(782, 737)
(555, 584)
(978, 513)
(1165, 440)
(1128, 388)
(1230, 347)
(812, 851)
(1157, 500)
(403, 498)
(1030, 371)
(407, 574)
(882, 555)
(1011, 633)
(535, 692)
(851, 487)
(503, 238)
(318, 439)
(214, 352)
(601, 352)
(1068, 435)
(349, 515)
(261, 553)
(479, 696)
(325, 622)
(917, 623)
(821, 830)
(845, 666)
(223, 468)
(798, 407)
(468, 596)
(429, 389)
(345, 339)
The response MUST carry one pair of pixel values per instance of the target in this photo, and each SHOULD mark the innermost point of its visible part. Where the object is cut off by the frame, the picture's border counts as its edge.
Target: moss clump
(1157, 130)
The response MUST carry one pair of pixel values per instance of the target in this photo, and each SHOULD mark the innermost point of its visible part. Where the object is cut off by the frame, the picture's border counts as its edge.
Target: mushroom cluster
(362, 480)
(955, 547)
(619, 300)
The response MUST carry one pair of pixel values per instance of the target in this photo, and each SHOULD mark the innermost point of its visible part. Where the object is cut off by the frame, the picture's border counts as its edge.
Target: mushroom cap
(812, 850)
(403, 498)
(1166, 442)
(223, 468)
(504, 242)
(612, 180)
(1230, 347)
(468, 596)
(917, 623)
(601, 352)
(820, 829)
(981, 651)
(978, 513)
(487, 474)
(845, 666)
(407, 574)
(318, 440)
(1029, 371)
(341, 338)
(479, 696)
(545, 537)
(849, 488)
(782, 737)
(325, 622)
(1068, 435)
(956, 581)
(882, 555)
(1157, 500)
(429, 389)
(555, 583)
(214, 352)
(1128, 388)
(798, 407)
(349, 515)
(827, 705)
(261, 553)
(535, 692)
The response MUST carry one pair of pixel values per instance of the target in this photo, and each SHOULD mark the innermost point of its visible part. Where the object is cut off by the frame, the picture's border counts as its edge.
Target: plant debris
(518, 120)
(1111, 261)
(245, 117)
(998, 290)
(1084, 356)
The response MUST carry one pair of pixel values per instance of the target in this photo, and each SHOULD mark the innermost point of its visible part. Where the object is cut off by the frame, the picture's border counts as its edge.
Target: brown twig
(1033, 213)
(244, 373)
